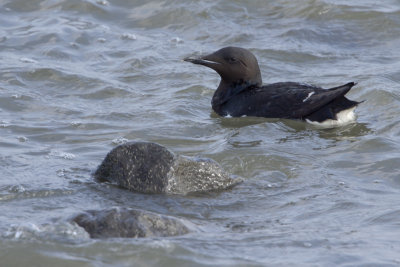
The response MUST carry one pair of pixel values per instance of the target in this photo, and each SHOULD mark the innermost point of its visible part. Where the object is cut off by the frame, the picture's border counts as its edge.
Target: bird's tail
(347, 85)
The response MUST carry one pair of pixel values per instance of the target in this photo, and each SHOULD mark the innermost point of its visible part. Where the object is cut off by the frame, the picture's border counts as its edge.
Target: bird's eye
(232, 60)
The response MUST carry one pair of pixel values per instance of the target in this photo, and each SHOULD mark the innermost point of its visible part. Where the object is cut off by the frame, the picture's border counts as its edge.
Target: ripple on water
(60, 79)
(20, 192)
(14, 104)
(79, 77)
(59, 231)
(389, 218)
(107, 92)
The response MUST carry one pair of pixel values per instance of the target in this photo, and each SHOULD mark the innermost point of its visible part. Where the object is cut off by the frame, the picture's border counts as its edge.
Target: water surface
(79, 77)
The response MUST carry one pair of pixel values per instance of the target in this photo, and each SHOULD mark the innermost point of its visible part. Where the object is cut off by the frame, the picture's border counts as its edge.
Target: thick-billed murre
(241, 92)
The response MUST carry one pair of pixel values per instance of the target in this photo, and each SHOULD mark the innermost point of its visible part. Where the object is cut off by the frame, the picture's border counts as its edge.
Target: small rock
(124, 222)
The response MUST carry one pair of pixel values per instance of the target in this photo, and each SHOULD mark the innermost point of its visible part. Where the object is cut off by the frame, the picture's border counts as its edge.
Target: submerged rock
(151, 168)
(124, 222)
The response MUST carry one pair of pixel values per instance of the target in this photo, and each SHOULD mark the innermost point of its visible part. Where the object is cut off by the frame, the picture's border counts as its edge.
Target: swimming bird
(241, 92)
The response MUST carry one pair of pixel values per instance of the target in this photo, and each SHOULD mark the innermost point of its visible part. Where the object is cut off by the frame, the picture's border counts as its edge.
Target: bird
(241, 92)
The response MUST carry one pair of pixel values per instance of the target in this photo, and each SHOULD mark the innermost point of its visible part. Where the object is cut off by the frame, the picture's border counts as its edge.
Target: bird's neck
(226, 91)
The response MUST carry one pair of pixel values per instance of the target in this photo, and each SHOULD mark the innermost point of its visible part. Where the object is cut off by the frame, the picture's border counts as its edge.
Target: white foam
(344, 117)
(119, 141)
(177, 40)
(102, 2)
(22, 139)
(55, 231)
(27, 60)
(60, 154)
(129, 36)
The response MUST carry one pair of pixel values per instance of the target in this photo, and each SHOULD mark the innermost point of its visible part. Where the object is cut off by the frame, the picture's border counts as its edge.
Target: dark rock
(138, 166)
(124, 222)
(151, 168)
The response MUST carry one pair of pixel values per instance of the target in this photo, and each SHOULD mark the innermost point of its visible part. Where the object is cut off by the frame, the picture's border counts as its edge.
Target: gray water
(78, 77)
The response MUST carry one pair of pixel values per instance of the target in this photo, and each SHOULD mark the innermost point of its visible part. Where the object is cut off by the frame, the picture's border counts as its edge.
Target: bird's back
(284, 100)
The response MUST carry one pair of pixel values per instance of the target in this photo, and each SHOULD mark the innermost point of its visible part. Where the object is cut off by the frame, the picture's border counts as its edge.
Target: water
(79, 77)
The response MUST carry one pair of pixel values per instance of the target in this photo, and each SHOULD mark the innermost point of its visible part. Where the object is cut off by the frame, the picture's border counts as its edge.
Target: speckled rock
(151, 168)
(124, 222)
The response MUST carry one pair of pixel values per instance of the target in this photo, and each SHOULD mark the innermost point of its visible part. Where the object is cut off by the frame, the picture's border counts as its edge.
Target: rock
(124, 222)
(151, 168)
(138, 166)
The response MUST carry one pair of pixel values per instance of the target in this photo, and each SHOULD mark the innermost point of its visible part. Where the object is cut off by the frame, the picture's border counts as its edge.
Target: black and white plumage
(241, 92)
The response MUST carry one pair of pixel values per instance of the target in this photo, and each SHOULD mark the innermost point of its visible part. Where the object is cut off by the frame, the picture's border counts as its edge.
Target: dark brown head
(238, 69)
(232, 64)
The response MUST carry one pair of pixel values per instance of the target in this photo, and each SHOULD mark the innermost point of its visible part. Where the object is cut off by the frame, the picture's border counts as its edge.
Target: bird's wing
(293, 100)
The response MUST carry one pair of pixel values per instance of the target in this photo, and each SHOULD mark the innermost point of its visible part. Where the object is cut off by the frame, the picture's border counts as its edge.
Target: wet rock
(151, 168)
(138, 166)
(124, 222)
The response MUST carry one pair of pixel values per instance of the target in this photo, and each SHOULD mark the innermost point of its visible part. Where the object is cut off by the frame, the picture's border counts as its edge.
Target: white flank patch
(309, 95)
(344, 117)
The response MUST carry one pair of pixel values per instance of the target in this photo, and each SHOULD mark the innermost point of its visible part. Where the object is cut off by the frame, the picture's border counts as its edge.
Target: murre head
(238, 69)
(233, 64)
